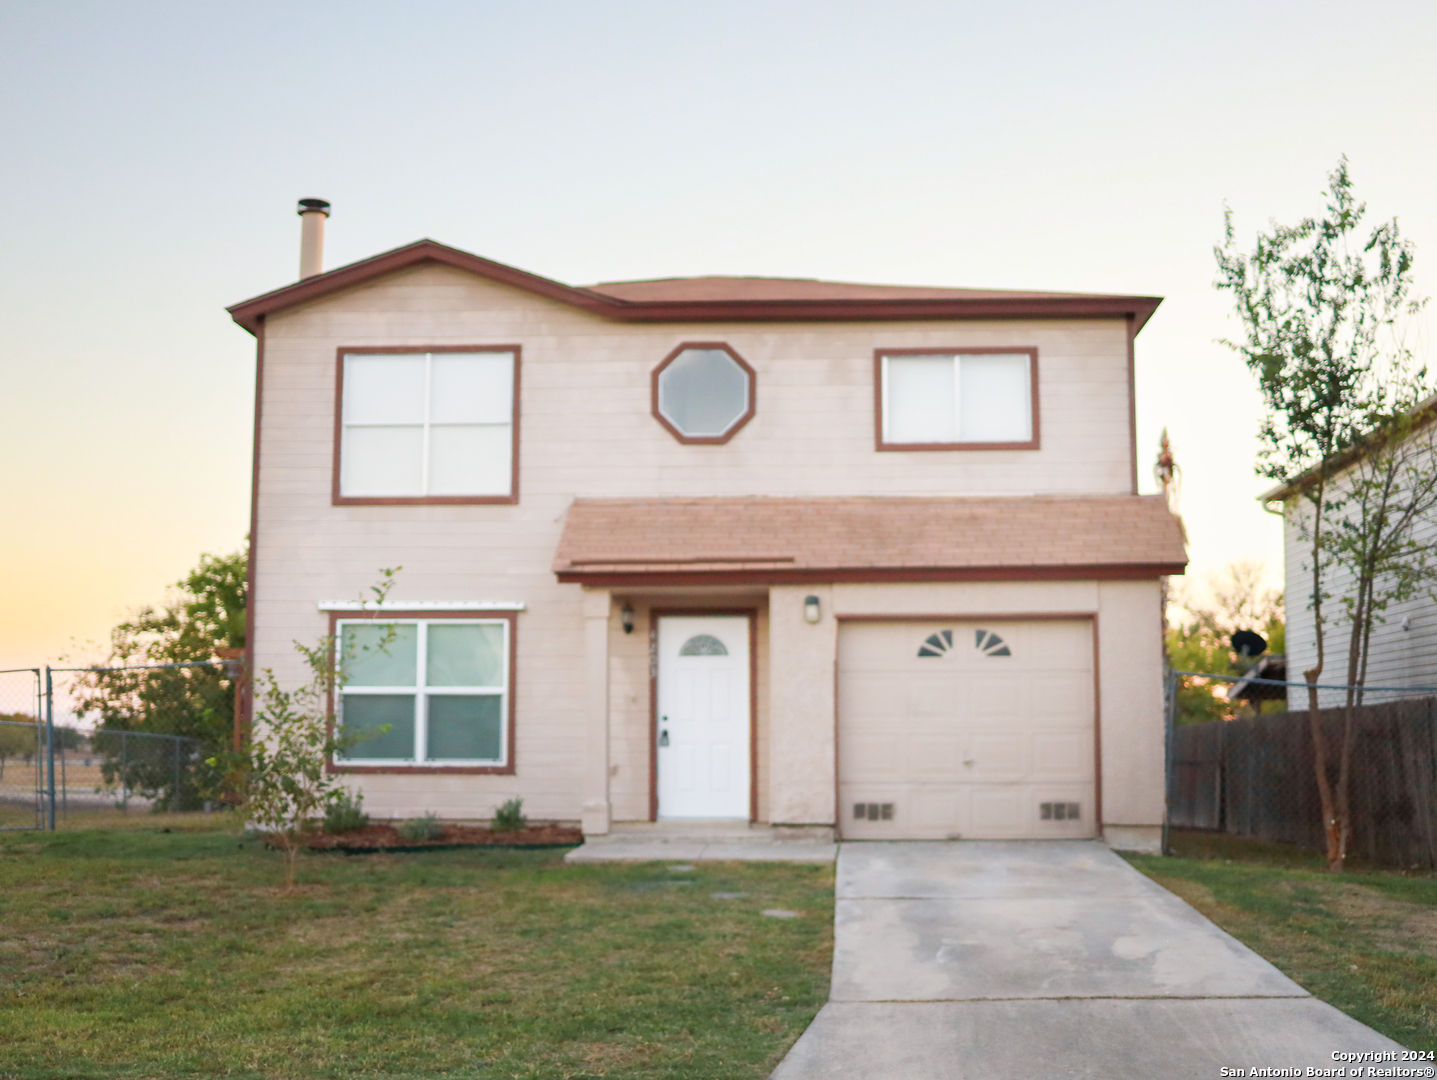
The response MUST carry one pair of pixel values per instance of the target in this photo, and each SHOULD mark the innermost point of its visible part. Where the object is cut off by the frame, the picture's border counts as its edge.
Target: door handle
(664, 737)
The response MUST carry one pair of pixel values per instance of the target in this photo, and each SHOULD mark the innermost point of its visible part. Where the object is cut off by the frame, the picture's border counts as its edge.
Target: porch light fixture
(626, 618)
(810, 609)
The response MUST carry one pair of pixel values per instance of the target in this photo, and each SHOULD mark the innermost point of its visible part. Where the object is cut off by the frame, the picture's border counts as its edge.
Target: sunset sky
(153, 153)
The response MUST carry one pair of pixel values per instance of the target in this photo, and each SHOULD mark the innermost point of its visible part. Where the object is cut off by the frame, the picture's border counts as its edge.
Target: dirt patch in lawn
(1391, 925)
(388, 838)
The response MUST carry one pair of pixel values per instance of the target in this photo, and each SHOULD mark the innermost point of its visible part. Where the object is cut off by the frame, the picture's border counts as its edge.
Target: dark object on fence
(1255, 778)
(1273, 668)
(1249, 644)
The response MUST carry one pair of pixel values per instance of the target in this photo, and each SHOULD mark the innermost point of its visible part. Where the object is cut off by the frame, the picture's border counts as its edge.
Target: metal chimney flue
(312, 213)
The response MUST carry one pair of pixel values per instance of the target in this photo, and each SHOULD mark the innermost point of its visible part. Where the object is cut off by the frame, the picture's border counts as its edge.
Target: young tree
(1316, 301)
(205, 613)
(286, 783)
(281, 771)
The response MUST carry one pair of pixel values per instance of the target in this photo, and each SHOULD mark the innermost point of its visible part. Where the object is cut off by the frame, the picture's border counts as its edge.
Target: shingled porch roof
(627, 542)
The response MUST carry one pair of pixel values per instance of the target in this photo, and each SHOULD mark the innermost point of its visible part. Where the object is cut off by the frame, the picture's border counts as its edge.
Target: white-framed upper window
(417, 425)
(950, 399)
(440, 686)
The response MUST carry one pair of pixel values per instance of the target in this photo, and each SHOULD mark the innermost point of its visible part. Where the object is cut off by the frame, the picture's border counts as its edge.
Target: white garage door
(972, 730)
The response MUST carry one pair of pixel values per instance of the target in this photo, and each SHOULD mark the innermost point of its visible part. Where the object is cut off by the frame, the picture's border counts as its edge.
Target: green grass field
(166, 947)
(1364, 941)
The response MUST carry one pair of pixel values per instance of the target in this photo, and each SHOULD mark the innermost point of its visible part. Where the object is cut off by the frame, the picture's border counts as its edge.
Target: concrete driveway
(1052, 959)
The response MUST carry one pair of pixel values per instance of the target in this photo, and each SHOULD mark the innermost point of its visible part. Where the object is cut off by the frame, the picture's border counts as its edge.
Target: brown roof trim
(248, 312)
(609, 578)
(245, 720)
(843, 309)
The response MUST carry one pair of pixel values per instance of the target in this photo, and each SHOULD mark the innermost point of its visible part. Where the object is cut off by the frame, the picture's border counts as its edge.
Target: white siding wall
(1398, 657)
(587, 432)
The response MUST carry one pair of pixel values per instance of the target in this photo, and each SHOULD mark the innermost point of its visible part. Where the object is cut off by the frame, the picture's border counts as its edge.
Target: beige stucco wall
(587, 432)
(1130, 650)
(804, 723)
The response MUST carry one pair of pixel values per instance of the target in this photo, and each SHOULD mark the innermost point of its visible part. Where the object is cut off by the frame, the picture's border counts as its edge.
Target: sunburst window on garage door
(985, 641)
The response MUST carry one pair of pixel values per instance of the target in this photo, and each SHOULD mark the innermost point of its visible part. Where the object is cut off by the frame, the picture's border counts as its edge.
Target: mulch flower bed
(388, 838)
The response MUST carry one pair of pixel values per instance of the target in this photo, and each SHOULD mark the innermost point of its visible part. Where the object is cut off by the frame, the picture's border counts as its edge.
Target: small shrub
(345, 813)
(422, 828)
(509, 817)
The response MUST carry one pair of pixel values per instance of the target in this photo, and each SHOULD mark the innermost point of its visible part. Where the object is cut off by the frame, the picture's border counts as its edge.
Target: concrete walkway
(1052, 959)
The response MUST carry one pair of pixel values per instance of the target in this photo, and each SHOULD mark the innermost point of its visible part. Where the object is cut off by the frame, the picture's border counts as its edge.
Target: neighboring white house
(1403, 647)
(808, 554)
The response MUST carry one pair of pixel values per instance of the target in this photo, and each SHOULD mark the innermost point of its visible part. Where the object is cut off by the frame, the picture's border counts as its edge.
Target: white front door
(703, 719)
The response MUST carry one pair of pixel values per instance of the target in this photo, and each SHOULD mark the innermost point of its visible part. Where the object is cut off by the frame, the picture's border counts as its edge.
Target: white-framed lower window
(439, 686)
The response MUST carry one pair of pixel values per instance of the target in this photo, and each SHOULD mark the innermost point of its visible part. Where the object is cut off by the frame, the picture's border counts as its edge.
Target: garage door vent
(872, 811)
(1059, 811)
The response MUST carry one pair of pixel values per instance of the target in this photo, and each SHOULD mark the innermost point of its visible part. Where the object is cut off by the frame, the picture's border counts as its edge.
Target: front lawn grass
(1364, 941)
(170, 949)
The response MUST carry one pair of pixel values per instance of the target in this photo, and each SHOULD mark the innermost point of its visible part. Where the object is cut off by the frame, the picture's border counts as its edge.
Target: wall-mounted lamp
(1407, 622)
(810, 609)
(626, 618)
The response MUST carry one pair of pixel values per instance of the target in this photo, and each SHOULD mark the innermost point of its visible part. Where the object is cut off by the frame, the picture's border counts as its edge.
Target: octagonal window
(703, 392)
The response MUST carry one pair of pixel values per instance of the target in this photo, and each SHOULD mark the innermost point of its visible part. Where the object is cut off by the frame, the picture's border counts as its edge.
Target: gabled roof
(775, 540)
(715, 299)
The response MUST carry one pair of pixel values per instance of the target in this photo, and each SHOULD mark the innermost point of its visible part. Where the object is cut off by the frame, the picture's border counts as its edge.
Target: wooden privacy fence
(1255, 778)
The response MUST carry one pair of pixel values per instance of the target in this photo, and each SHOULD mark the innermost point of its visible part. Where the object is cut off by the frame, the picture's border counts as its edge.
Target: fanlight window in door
(703, 645)
(985, 641)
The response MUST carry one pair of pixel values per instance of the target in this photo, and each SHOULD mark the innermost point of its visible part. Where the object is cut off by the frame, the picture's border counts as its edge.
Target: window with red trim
(424, 692)
(420, 424)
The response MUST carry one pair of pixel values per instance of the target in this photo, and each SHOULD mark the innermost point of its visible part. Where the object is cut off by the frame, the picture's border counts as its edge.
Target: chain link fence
(1254, 775)
(104, 769)
(23, 796)
(51, 774)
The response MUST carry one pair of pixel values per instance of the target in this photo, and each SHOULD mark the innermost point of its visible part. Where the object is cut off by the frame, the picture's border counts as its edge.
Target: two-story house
(859, 558)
